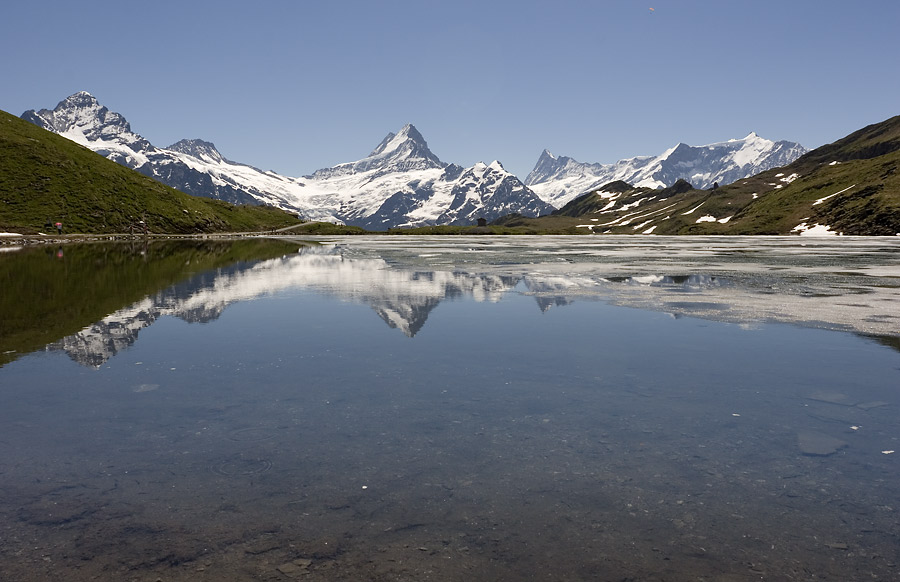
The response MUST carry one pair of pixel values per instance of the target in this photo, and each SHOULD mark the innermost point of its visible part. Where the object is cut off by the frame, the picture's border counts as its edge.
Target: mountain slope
(192, 166)
(851, 187)
(44, 177)
(401, 183)
(559, 180)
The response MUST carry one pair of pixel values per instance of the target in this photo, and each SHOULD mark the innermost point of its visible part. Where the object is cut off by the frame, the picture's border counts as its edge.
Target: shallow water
(444, 408)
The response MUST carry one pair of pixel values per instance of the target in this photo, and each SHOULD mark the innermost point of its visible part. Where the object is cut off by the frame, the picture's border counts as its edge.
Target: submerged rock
(818, 444)
(295, 569)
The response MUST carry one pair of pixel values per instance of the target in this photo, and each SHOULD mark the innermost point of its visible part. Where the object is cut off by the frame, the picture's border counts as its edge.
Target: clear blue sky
(294, 86)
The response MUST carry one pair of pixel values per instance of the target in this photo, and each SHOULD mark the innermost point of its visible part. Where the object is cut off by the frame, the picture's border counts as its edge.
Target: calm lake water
(392, 408)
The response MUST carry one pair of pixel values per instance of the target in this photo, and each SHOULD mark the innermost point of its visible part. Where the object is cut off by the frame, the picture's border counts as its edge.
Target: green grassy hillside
(856, 197)
(44, 177)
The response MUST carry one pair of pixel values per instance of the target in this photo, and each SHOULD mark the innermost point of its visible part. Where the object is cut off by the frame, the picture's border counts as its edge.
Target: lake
(451, 408)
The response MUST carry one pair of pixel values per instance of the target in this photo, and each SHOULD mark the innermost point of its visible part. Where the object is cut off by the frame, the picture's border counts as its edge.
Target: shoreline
(17, 239)
(33, 239)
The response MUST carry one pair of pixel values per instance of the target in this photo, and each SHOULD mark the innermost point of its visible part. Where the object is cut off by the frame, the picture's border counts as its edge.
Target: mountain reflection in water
(53, 292)
(405, 285)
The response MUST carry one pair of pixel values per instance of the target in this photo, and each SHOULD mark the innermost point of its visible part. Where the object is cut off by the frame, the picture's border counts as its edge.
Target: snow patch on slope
(804, 229)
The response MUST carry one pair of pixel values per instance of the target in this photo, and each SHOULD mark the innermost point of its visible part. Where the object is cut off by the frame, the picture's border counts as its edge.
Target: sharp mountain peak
(197, 148)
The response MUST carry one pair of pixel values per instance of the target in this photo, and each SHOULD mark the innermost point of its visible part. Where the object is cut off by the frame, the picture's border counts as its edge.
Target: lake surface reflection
(589, 408)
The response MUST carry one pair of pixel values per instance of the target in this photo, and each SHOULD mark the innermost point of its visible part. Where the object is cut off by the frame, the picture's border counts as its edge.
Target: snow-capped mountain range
(558, 180)
(401, 183)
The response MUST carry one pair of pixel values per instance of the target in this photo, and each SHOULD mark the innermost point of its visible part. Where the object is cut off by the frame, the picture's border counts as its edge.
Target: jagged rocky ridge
(558, 180)
(401, 183)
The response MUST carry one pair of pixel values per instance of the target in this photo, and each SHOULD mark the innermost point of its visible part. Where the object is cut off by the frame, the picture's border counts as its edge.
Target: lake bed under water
(443, 408)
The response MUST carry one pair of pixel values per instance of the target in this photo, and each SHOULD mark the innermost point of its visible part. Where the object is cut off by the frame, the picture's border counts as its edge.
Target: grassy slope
(866, 201)
(45, 176)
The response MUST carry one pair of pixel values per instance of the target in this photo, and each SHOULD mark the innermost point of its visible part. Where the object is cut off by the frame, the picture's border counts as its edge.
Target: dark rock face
(499, 193)
(679, 187)
(487, 192)
(394, 210)
(182, 177)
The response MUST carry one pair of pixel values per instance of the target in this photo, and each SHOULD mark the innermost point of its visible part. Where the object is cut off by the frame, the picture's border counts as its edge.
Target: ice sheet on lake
(849, 283)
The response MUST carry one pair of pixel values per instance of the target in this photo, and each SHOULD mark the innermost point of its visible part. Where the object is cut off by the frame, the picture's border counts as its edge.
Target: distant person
(59, 227)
